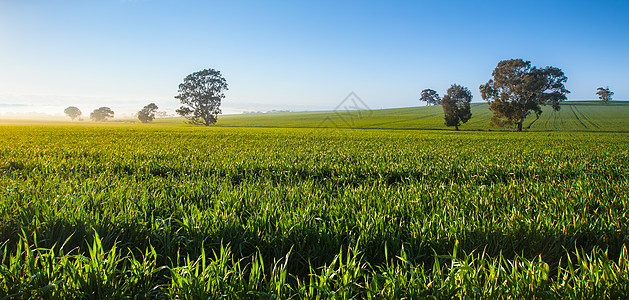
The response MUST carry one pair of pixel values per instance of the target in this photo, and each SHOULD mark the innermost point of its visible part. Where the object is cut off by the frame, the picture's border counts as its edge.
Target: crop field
(583, 116)
(176, 211)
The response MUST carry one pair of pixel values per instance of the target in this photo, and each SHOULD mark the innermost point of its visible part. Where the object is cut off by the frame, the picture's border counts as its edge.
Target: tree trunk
(456, 127)
(521, 121)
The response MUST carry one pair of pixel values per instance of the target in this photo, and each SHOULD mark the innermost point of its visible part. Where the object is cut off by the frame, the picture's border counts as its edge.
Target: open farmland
(98, 211)
(573, 116)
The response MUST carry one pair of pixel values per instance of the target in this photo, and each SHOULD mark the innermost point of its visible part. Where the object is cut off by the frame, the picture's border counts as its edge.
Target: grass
(177, 211)
(583, 116)
(573, 116)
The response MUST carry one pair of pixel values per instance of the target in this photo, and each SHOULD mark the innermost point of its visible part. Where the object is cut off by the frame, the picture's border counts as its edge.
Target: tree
(605, 94)
(430, 97)
(147, 114)
(456, 106)
(517, 88)
(201, 94)
(72, 111)
(102, 114)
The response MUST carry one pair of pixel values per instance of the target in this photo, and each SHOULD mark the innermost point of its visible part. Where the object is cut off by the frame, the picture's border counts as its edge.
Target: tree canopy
(517, 88)
(456, 106)
(102, 114)
(72, 111)
(201, 94)
(147, 114)
(431, 97)
(604, 94)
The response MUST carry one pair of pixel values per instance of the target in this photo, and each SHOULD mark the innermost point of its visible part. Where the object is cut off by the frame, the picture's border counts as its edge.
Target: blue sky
(296, 55)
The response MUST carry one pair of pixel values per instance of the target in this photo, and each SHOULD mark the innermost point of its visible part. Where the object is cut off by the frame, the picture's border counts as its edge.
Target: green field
(573, 116)
(170, 210)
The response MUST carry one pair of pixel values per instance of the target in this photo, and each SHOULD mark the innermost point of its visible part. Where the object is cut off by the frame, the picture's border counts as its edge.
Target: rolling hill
(573, 116)
(584, 116)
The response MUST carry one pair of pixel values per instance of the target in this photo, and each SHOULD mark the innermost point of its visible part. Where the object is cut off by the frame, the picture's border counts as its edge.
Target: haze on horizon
(290, 55)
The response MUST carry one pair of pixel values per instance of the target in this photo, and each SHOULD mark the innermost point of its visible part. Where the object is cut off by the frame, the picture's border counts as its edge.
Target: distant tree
(102, 114)
(201, 94)
(605, 94)
(519, 88)
(73, 112)
(147, 114)
(456, 106)
(430, 97)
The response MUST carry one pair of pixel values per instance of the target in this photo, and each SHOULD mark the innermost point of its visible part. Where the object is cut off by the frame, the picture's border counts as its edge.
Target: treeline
(145, 115)
(515, 90)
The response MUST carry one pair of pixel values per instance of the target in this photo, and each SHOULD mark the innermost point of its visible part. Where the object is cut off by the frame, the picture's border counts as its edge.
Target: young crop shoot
(517, 88)
(155, 212)
(605, 94)
(201, 94)
(456, 106)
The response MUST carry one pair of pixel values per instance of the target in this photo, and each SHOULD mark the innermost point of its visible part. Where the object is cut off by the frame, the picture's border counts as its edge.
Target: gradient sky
(296, 55)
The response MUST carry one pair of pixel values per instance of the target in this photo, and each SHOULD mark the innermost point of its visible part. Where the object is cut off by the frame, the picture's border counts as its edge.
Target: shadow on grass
(312, 246)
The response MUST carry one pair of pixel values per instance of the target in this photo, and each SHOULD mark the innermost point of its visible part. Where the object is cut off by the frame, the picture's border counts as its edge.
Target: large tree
(147, 114)
(604, 94)
(517, 88)
(456, 106)
(431, 97)
(201, 94)
(102, 114)
(72, 111)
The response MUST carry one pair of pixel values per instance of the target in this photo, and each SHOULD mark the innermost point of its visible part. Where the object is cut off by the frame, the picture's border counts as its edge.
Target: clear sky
(296, 55)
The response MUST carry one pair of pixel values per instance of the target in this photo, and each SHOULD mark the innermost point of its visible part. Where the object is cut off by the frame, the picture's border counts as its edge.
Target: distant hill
(573, 116)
